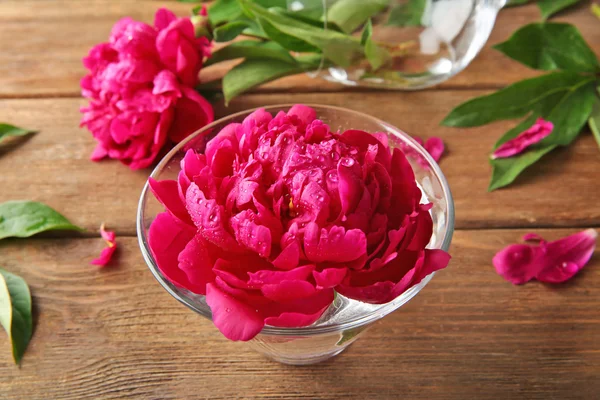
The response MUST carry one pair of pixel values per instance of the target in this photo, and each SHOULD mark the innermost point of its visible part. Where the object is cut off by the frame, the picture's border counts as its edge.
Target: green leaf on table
(567, 110)
(15, 312)
(511, 3)
(7, 130)
(349, 15)
(551, 7)
(594, 121)
(514, 101)
(298, 36)
(595, 8)
(407, 14)
(571, 113)
(550, 46)
(229, 31)
(376, 55)
(27, 218)
(251, 49)
(506, 170)
(255, 72)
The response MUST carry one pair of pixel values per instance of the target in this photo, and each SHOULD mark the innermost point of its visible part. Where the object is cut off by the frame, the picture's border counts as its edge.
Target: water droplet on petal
(228, 309)
(564, 264)
(332, 176)
(347, 162)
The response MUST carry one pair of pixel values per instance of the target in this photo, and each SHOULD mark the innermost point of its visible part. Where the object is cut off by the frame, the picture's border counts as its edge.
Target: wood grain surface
(114, 333)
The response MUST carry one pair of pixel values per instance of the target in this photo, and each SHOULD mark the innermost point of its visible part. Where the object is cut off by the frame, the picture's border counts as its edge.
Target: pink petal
(105, 256)
(195, 260)
(329, 277)
(565, 257)
(363, 140)
(350, 185)
(191, 113)
(301, 312)
(289, 256)
(167, 238)
(519, 263)
(107, 252)
(254, 237)
(531, 136)
(551, 262)
(288, 290)
(235, 320)
(267, 277)
(335, 244)
(305, 114)
(163, 18)
(208, 216)
(435, 147)
(109, 236)
(99, 153)
(167, 192)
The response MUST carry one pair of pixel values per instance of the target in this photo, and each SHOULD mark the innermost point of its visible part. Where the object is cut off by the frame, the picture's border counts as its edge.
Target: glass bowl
(428, 41)
(346, 319)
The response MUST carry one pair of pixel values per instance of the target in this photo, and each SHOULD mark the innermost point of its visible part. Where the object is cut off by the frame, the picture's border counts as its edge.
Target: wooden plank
(114, 333)
(42, 45)
(52, 166)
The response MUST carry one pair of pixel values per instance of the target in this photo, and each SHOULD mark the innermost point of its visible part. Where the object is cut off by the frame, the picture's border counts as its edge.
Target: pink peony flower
(140, 88)
(550, 262)
(108, 252)
(531, 136)
(279, 212)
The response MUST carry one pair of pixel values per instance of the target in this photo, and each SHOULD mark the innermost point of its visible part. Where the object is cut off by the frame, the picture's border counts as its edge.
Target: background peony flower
(279, 212)
(140, 88)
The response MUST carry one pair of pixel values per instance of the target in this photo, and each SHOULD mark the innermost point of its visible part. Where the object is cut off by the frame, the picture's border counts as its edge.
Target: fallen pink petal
(531, 136)
(549, 262)
(107, 253)
(434, 146)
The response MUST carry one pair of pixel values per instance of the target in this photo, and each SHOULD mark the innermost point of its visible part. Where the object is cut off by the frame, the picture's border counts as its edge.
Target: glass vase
(345, 320)
(427, 41)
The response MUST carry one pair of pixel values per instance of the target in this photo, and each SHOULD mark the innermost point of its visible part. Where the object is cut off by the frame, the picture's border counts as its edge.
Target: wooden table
(115, 333)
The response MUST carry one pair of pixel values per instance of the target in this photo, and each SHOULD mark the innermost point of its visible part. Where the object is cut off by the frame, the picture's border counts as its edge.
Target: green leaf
(15, 312)
(595, 8)
(571, 113)
(251, 49)
(550, 46)
(255, 72)
(594, 121)
(224, 10)
(307, 19)
(349, 15)
(511, 3)
(511, 102)
(376, 55)
(506, 170)
(550, 7)
(568, 110)
(229, 31)
(7, 130)
(408, 14)
(27, 218)
(339, 48)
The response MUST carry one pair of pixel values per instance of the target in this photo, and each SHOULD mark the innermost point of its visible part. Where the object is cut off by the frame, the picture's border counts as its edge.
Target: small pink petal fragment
(107, 252)
(435, 147)
(550, 262)
(531, 136)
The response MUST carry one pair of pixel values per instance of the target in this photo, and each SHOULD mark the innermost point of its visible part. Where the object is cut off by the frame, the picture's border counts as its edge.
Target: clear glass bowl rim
(365, 319)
